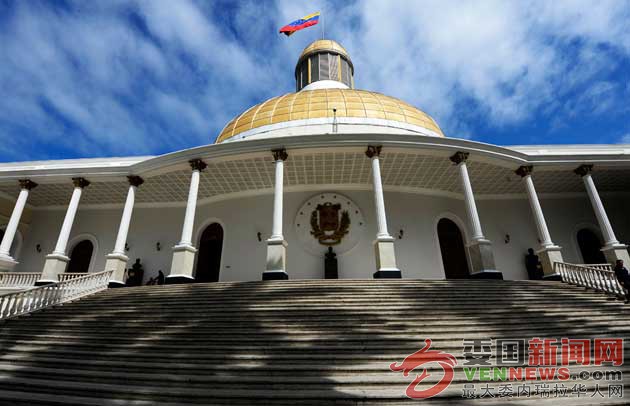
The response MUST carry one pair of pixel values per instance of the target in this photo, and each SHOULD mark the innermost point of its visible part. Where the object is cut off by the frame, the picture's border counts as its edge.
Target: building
(327, 166)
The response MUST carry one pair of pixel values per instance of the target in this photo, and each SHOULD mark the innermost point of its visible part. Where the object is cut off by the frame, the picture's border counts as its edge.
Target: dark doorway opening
(453, 250)
(15, 239)
(209, 257)
(80, 257)
(590, 246)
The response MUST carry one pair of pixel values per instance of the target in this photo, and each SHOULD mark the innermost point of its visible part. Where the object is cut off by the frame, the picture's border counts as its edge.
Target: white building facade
(365, 174)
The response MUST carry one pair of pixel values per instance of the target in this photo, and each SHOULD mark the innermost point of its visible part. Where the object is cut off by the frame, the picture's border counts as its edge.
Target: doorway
(81, 257)
(590, 246)
(453, 250)
(209, 259)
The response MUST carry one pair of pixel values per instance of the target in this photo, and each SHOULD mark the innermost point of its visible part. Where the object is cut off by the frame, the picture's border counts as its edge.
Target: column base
(385, 259)
(482, 260)
(276, 266)
(616, 252)
(55, 265)
(114, 285)
(178, 279)
(487, 275)
(182, 265)
(118, 264)
(275, 276)
(388, 274)
(548, 257)
(7, 263)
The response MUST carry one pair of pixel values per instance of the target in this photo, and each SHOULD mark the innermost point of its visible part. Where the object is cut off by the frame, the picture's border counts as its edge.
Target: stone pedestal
(118, 264)
(276, 260)
(482, 260)
(7, 263)
(615, 252)
(385, 259)
(548, 256)
(55, 265)
(182, 265)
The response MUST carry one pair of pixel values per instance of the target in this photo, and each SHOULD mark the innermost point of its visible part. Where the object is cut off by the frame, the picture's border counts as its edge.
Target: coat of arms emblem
(326, 224)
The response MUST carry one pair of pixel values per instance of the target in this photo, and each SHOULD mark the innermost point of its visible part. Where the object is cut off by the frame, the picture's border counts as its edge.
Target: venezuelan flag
(300, 24)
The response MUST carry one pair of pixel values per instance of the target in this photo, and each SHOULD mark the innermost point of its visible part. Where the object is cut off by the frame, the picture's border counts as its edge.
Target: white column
(125, 221)
(7, 262)
(191, 207)
(278, 195)
(184, 252)
(479, 248)
(276, 265)
(117, 260)
(71, 212)
(373, 153)
(57, 262)
(385, 255)
(613, 250)
(469, 198)
(598, 206)
(549, 253)
(541, 225)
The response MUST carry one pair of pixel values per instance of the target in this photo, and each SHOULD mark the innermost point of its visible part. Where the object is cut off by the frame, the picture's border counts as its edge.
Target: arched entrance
(453, 250)
(209, 256)
(80, 257)
(590, 246)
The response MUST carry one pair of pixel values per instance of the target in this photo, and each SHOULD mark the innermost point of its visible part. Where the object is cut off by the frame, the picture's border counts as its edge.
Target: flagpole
(323, 25)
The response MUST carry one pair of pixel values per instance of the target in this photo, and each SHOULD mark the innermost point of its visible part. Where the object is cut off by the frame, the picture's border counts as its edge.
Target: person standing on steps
(160, 277)
(622, 275)
(532, 264)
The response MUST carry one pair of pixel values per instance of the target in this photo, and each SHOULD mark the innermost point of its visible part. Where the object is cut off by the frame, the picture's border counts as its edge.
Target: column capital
(373, 151)
(459, 157)
(280, 154)
(135, 180)
(27, 184)
(583, 170)
(197, 164)
(524, 170)
(80, 182)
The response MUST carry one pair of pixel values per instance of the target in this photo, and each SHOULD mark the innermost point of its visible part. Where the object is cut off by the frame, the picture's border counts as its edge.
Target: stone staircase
(285, 342)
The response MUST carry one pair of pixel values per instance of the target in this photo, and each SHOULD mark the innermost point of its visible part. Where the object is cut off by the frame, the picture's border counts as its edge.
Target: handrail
(605, 267)
(27, 301)
(67, 276)
(19, 279)
(601, 278)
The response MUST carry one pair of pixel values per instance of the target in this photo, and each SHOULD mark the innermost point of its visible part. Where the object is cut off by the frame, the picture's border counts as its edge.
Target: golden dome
(324, 45)
(320, 104)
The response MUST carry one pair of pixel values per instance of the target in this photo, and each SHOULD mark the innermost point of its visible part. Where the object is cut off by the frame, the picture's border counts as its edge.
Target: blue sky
(118, 78)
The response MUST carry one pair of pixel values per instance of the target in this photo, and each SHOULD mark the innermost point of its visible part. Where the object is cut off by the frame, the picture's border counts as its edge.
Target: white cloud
(115, 78)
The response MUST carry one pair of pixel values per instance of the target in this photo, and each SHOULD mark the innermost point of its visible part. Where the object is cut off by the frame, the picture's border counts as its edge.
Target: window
(323, 67)
(314, 68)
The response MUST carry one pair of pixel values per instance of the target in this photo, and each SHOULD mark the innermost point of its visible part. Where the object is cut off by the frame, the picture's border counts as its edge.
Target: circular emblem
(329, 220)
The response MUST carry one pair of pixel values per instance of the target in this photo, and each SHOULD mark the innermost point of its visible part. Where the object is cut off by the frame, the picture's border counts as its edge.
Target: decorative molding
(197, 164)
(80, 182)
(373, 151)
(584, 170)
(280, 154)
(459, 157)
(27, 184)
(135, 180)
(524, 170)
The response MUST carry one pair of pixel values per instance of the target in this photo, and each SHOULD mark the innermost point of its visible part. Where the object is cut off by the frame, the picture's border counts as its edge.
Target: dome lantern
(324, 60)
